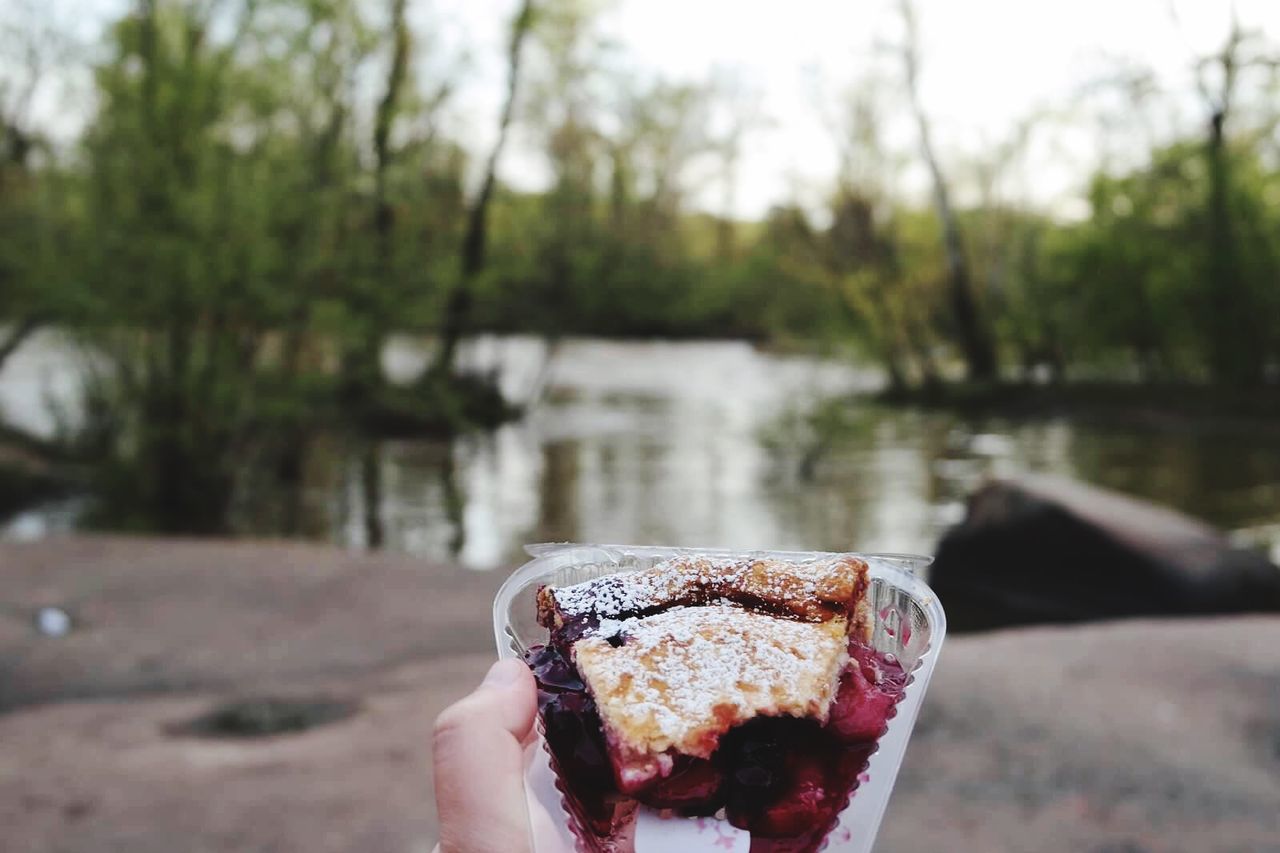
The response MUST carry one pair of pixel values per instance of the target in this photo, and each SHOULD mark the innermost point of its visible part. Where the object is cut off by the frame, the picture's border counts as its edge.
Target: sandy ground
(1137, 737)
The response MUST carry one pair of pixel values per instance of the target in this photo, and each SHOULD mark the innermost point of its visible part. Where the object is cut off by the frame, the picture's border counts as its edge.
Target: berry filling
(783, 779)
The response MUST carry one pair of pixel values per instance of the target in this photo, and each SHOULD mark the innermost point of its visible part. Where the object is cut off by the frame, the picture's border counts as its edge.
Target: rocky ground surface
(1132, 737)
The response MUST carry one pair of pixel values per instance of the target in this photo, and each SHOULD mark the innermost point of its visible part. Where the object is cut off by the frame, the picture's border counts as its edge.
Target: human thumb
(479, 766)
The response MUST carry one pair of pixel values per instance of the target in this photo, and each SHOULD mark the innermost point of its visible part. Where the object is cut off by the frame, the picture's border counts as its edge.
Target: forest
(266, 191)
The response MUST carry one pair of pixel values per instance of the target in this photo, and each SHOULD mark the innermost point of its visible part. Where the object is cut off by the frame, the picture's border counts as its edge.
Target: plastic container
(910, 624)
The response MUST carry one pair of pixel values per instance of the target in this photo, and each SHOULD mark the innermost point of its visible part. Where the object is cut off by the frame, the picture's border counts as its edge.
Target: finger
(479, 767)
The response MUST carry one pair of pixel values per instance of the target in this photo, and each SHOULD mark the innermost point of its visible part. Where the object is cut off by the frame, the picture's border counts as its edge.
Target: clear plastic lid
(909, 624)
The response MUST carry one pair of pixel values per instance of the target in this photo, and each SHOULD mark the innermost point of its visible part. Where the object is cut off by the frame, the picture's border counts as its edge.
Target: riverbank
(1137, 736)
(1178, 406)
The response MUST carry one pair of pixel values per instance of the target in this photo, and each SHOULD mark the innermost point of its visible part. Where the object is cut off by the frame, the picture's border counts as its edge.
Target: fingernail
(504, 673)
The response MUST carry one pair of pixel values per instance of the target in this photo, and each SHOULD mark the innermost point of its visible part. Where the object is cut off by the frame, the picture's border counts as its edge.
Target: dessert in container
(908, 627)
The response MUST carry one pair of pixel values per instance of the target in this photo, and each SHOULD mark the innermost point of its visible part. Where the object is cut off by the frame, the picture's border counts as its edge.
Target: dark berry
(807, 803)
(553, 672)
(694, 787)
(574, 734)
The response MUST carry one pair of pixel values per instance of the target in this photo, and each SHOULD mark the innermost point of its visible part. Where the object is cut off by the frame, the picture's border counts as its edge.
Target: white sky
(987, 65)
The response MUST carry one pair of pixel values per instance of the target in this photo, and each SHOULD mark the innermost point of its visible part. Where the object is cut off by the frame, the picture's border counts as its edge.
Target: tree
(1008, 234)
(1131, 279)
(1234, 327)
(366, 375)
(862, 255)
(974, 338)
(33, 218)
(570, 251)
(739, 108)
(192, 170)
(474, 243)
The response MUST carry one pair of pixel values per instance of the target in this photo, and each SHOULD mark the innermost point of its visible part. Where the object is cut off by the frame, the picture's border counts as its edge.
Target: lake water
(692, 443)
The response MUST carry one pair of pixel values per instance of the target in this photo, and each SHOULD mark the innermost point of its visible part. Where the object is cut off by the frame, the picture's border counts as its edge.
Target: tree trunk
(975, 341)
(474, 243)
(890, 347)
(726, 226)
(885, 333)
(367, 368)
(917, 340)
(1232, 322)
(1234, 351)
(371, 490)
(975, 344)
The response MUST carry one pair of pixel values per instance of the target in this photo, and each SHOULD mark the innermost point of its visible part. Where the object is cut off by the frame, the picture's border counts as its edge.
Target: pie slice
(701, 685)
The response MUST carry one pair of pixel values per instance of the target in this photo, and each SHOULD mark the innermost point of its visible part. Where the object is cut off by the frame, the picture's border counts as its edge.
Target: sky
(988, 65)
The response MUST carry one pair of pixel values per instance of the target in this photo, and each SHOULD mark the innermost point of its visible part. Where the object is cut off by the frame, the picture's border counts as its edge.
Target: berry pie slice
(705, 686)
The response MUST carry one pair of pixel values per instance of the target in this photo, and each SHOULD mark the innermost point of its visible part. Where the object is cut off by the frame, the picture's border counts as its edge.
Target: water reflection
(718, 444)
(704, 443)
(652, 442)
(371, 494)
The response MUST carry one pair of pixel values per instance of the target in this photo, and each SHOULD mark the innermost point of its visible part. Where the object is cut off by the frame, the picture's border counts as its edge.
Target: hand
(479, 764)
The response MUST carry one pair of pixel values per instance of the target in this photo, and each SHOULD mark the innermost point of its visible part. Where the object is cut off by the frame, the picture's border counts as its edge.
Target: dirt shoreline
(1132, 736)
(1179, 407)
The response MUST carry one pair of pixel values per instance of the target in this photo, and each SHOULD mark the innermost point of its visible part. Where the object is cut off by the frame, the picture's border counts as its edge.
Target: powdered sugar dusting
(681, 678)
(632, 592)
(813, 590)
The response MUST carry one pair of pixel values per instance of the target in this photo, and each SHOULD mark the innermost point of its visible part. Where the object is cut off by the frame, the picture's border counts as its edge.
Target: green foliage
(225, 204)
(1131, 283)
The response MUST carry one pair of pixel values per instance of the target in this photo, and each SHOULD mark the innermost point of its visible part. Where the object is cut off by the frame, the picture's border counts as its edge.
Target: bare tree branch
(975, 343)
(474, 242)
